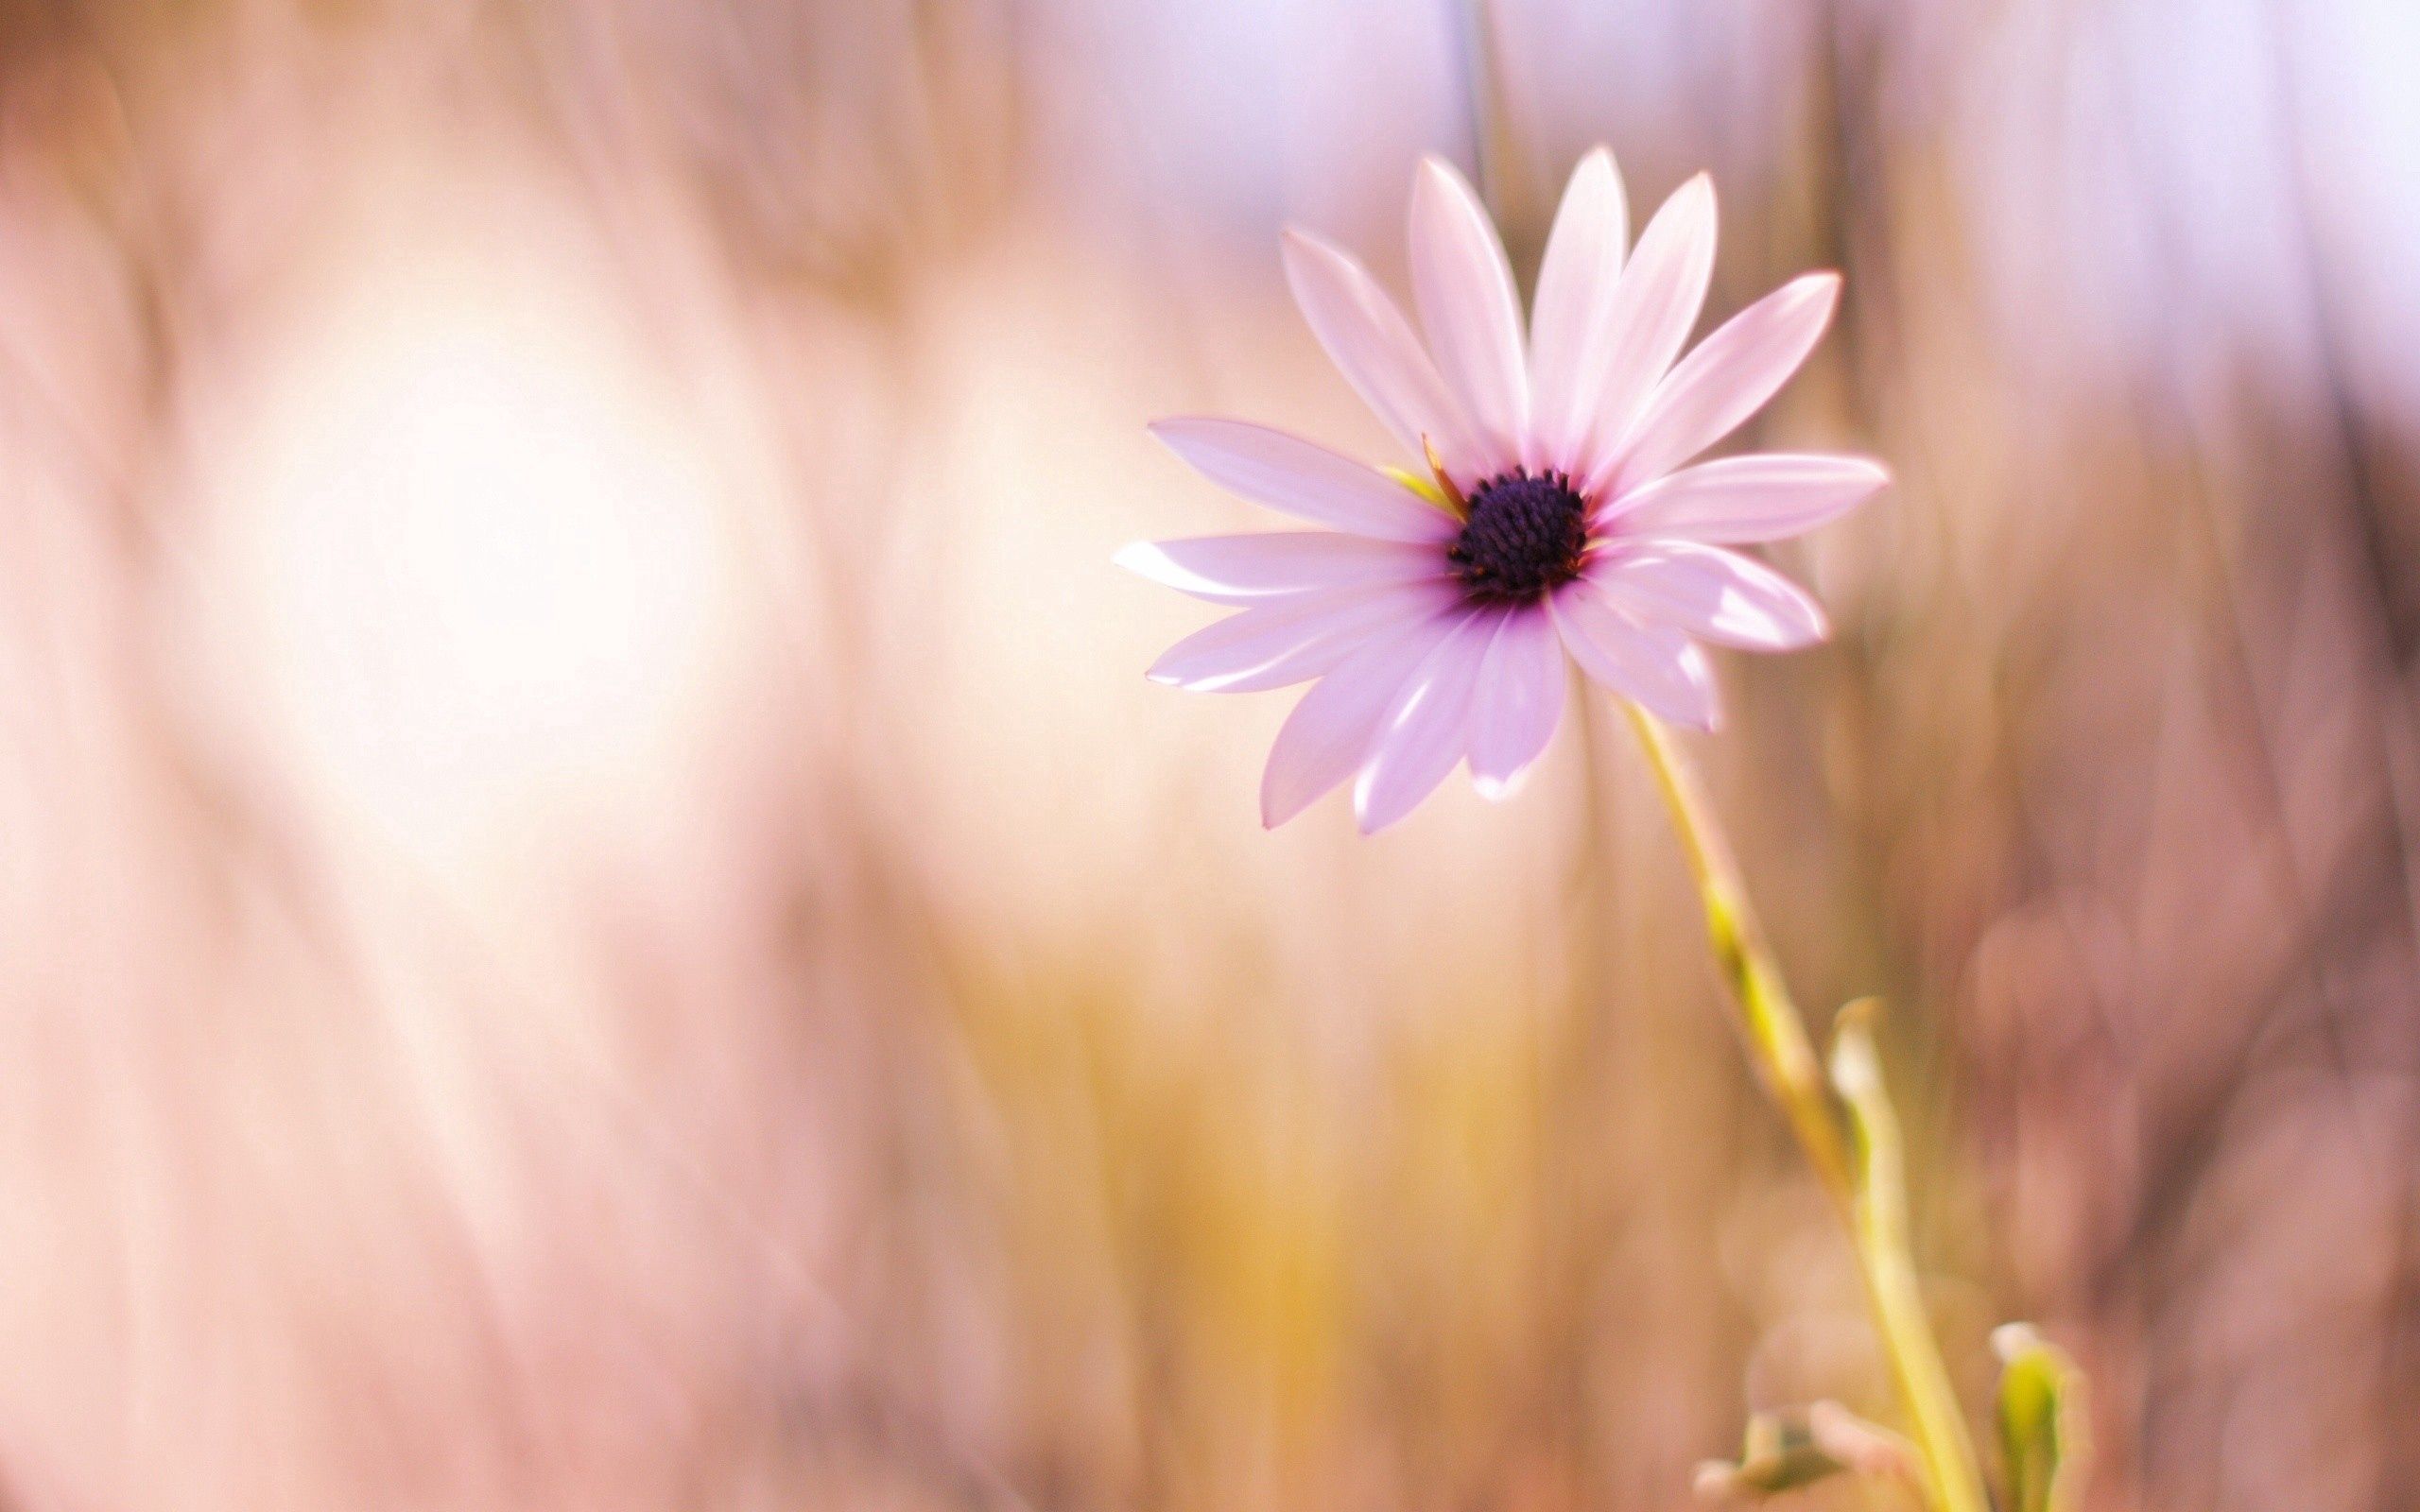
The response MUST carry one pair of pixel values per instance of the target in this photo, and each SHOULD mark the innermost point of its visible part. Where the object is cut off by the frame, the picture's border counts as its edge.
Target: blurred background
(595, 913)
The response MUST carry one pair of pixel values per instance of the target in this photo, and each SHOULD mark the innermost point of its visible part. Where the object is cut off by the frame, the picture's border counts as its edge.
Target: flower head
(1550, 515)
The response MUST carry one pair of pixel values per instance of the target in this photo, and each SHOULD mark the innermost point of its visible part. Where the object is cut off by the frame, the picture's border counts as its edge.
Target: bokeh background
(594, 912)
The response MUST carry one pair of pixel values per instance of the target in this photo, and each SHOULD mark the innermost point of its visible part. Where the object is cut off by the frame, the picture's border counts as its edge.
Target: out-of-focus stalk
(1863, 1174)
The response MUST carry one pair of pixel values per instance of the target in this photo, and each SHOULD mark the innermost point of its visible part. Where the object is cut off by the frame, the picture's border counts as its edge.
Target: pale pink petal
(1425, 729)
(1251, 569)
(1766, 496)
(1463, 285)
(1655, 667)
(1372, 344)
(1573, 312)
(1716, 594)
(1293, 639)
(1311, 482)
(1727, 378)
(1655, 304)
(1329, 733)
(1519, 702)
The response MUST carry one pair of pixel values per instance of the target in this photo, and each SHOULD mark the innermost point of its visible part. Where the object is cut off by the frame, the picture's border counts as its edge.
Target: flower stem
(1860, 1166)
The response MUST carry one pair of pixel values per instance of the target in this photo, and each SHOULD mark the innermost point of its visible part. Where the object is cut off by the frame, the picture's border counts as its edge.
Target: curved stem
(1784, 1057)
(1859, 1167)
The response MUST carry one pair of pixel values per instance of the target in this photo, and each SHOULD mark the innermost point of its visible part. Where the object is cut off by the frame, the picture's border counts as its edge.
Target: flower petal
(1293, 639)
(1372, 344)
(1656, 304)
(1463, 285)
(1329, 733)
(1288, 473)
(1727, 378)
(1654, 666)
(1573, 312)
(1767, 496)
(1519, 702)
(1424, 732)
(1716, 594)
(1257, 568)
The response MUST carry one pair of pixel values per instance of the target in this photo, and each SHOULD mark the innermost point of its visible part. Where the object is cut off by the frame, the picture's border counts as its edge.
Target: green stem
(1776, 1035)
(1880, 1221)
(1860, 1167)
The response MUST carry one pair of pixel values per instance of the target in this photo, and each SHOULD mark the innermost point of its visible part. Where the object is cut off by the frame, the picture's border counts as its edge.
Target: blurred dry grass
(598, 915)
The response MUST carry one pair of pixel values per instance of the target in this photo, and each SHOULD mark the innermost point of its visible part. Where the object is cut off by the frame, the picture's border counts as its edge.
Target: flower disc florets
(1526, 534)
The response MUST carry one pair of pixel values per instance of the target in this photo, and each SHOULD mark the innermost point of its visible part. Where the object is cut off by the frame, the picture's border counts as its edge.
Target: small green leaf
(1786, 1451)
(1779, 1454)
(2040, 1411)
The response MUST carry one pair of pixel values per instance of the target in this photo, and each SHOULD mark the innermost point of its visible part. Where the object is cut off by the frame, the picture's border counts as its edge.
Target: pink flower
(1555, 517)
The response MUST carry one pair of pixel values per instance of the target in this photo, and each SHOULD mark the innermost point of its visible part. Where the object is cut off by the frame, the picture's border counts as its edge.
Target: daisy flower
(1550, 515)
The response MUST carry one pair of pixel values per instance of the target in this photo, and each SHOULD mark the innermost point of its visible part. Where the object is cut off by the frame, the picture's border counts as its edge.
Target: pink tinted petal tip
(1654, 664)
(1656, 304)
(1329, 734)
(1727, 378)
(1711, 593)
(1300, 478)
(1426, 728)
(1740, 500)
(1366, 338)
(1518, 705)
(1463, 283)
(1254, 569)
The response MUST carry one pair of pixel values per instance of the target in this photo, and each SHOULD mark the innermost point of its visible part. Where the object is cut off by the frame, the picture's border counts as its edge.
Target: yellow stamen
(1425, 488)
(1444, 484)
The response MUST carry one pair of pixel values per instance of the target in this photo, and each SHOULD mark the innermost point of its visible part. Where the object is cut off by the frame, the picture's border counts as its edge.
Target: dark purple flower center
(1524, 535)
